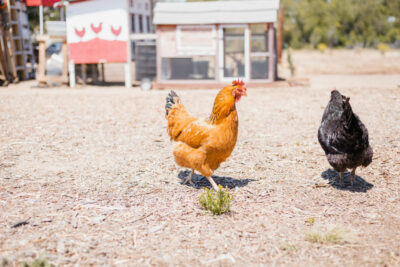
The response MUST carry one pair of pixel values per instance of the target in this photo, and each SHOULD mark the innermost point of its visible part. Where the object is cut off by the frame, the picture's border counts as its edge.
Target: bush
(383, 48)
(292, 68)
(322, 47)
(217, 202)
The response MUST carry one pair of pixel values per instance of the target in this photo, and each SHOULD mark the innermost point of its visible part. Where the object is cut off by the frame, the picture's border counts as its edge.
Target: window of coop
(188, 68)
(259, 55)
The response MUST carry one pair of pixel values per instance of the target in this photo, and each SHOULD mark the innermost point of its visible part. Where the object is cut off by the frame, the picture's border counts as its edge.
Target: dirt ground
(91, 171)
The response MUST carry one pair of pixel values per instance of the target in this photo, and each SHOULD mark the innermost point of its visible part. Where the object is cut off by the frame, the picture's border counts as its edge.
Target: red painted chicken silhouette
(80, 33)
(97, 29)
(116, 32)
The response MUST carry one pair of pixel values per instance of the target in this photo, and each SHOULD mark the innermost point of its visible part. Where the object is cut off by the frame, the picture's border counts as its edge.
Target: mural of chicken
(97, 31)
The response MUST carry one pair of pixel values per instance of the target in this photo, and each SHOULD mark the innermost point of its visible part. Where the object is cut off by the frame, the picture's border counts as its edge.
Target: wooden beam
(158, 52)
(95, 73)
(83, 70)
(280, 34)
(271, 62)
(103, 79)
(64, 72)
(3, 62)
(41, 71)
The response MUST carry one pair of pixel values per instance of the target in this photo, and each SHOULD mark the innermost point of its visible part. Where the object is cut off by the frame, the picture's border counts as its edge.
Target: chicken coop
(206, 44)
(104, 31)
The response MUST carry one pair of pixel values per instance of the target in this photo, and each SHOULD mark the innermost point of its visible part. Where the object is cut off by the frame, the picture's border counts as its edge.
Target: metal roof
(219, 12)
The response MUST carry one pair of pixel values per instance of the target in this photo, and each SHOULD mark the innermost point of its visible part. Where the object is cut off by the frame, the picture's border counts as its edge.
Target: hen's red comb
(238, 82)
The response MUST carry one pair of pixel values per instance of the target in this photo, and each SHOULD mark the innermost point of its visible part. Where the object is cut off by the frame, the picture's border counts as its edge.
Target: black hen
(344, 137)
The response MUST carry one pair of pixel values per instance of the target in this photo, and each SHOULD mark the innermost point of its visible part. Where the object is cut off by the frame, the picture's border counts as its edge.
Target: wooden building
(105, 31)
(207, 44)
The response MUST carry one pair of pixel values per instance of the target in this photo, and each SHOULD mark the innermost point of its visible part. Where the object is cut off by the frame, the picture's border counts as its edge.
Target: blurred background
(308, 23)
(324, 26)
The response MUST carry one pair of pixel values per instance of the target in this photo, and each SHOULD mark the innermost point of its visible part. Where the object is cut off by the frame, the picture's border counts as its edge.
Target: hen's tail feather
(172, 99)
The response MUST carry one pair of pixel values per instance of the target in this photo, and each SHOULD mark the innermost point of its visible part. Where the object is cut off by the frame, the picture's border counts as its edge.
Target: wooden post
(83, 70)
(103, 79)
(158, 52)
(280, 36)
(95, 73)
(41, 19)
(64, 72)
(247, 52)
(41, 72)
(3, 59)
(8, 46)
(128, 78)
(72, 77)
(271, 62)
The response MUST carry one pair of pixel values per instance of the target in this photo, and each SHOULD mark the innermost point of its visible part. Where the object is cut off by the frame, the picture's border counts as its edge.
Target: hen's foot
(352, 176)
(341, 179)
(214, 185)
(189, 178)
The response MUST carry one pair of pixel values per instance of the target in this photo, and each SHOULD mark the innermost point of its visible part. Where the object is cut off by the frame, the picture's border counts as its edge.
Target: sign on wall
(97, 31)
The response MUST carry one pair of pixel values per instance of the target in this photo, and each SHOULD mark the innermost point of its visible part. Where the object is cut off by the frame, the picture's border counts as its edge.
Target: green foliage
(322, 47)
(38, 263)
(217, 202)
(310, 221)
(288, 247)
(349, 23)
(332, 236)
(49, 13)
(290, 62)
(4, 262)
(383, 48)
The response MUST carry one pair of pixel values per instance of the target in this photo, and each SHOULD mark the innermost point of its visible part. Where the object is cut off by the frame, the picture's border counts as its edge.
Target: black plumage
(343, 137)
(172, 99)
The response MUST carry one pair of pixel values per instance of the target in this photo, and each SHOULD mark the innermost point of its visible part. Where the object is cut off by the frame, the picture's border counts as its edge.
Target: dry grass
(332, 236)
(91, 173)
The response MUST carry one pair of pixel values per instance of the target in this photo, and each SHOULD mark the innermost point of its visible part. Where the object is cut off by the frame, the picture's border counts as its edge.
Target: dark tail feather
(172, 98)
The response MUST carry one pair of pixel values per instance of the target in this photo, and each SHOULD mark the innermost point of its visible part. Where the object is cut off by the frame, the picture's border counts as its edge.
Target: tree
(341, 22)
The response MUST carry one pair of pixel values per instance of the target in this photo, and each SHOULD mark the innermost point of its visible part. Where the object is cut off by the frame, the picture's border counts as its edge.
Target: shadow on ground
(360, 185)
(200, 181)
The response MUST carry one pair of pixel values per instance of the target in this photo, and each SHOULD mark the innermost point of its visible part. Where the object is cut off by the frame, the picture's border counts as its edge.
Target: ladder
(21, 44)
(6, 62)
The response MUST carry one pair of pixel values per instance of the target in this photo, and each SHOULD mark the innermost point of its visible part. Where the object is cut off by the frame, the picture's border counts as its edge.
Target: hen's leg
(352, 175)
(341, 179)
(189, 178)
(214, 185)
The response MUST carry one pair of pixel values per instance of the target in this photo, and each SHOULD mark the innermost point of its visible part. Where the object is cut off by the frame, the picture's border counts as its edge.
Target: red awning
(41, 2)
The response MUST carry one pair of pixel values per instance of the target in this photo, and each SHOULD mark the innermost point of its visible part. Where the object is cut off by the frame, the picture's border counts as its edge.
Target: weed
(383, 48)
(217, 202)
(291, 64)
(310, 221)
(332, 236)
(288, 247)
(322, 47)
(4, 262)
(38, 263)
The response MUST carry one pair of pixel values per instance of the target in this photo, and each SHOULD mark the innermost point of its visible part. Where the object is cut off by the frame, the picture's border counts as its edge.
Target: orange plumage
(203, 145)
